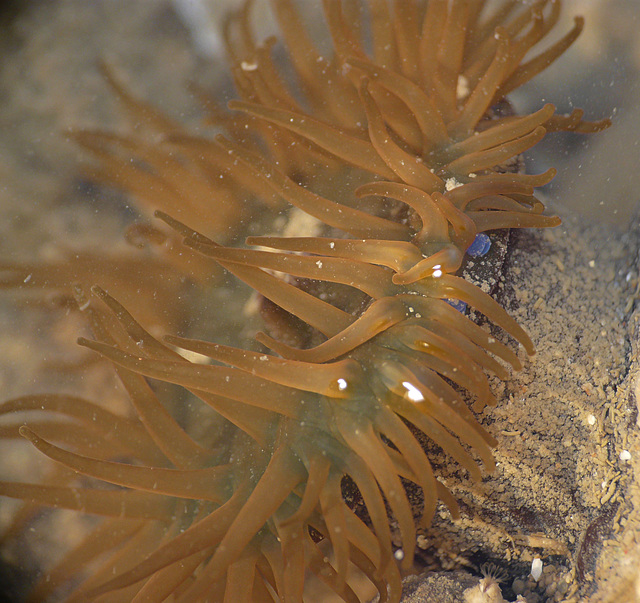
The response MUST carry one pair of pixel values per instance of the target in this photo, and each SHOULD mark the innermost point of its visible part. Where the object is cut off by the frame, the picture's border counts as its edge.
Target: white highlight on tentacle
(413, 393)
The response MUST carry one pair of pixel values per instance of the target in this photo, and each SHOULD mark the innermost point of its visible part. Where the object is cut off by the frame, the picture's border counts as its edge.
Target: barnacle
(394, 145)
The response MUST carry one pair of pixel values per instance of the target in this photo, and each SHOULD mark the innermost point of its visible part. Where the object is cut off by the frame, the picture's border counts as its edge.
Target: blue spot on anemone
(480, 246)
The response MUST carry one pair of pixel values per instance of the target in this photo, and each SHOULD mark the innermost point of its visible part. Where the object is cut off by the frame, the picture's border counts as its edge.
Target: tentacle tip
(84, 342)
(479, 405)
(27, 433)
(100, 293)
(400, 279)
(517, 365)
(476, 474)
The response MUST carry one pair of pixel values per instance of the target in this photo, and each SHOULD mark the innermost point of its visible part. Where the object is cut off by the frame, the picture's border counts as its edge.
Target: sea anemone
(403, 148)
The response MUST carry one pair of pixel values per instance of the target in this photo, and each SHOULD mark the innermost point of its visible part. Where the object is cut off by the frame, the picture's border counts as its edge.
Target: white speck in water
(413, 393)
(332, 245)
(536, 569)
(591, 420)
(342, 384)
(248, 66)
(437, 273)
(451, 183)
(462, 89)
(625, 455)
(319, 264)
(26, 280)
(399, 555)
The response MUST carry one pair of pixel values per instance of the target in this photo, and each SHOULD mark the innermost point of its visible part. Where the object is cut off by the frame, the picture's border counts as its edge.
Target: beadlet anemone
(402, 147)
